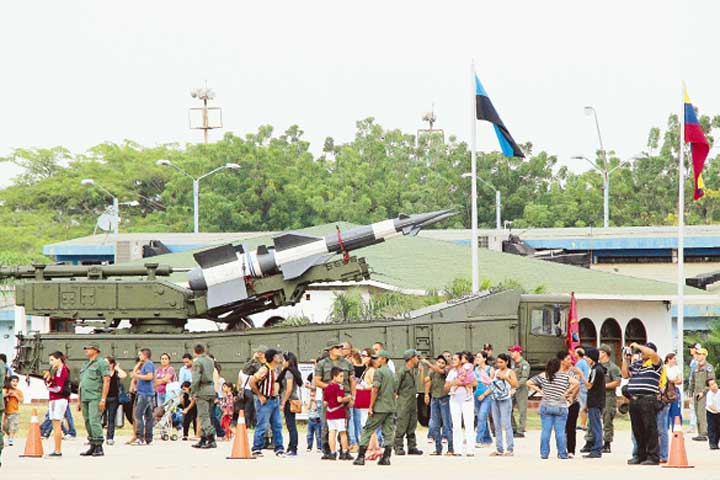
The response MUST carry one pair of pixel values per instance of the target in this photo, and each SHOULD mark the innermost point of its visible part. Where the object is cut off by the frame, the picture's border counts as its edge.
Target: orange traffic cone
(240, 448)
(33, 444)
(678, 455)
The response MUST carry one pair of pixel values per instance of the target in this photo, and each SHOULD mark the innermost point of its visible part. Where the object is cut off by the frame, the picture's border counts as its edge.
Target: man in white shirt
(712, 409)
(379, 347)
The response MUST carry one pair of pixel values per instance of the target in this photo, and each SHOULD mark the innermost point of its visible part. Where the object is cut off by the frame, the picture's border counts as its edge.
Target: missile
(225, 271)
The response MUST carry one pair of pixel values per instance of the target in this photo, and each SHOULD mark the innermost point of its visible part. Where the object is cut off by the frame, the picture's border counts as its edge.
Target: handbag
(295, 406)
(669, 394)
(362, 398)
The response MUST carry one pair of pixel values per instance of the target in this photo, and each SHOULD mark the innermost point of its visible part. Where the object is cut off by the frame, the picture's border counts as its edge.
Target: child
(314, 427)
(335, 400)
(226, 406)
(466, 377)
(189, 411)
(712, 409)
(13, 398)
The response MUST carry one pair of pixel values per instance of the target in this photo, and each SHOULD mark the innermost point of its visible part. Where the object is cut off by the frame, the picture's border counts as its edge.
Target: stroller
(168, 417)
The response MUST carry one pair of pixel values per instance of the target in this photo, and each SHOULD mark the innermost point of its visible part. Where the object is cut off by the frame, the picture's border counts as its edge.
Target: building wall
(655, 316)
(664, 272)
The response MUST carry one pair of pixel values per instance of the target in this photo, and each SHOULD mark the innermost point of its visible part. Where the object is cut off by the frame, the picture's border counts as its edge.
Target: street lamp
(590, 111)
(605, 172)
(89, 182)
(498, 218)
(196, 186)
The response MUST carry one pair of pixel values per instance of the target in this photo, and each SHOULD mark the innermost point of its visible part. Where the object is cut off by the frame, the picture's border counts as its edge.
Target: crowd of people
(362, 407)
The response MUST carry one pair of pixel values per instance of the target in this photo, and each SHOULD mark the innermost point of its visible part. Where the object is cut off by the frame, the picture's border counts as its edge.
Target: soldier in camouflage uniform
(203, 390)
(92, 392)
(322, 377)
(698, 389)
(520, 400)
(407, 404)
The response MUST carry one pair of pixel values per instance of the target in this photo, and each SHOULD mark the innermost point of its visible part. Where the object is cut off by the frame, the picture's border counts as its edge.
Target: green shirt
(437, 384)
(384, 380)
(406, 386)
(522, 371)
(325, 366)
(91, 378)
(202, 385)
(613, 373)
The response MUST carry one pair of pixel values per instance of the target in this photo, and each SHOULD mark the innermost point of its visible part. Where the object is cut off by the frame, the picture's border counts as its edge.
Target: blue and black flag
(484, 110)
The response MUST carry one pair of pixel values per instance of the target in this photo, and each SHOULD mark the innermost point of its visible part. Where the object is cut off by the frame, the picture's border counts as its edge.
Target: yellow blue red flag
(699, 146)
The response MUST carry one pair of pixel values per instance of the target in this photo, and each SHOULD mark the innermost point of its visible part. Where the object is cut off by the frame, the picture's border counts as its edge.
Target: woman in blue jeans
(555, 386)
(483, 400)
(503, 381)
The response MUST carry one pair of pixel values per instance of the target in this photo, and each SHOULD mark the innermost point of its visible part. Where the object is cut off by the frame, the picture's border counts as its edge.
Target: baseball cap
(515, 348)
(592, 353)
(92, 345)
(381, 353)
(696, 346)
(260, 348)
(409, 353)
(651, 346)
(702, 351)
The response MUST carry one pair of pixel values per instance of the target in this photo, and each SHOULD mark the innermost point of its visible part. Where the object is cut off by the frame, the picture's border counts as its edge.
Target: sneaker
(137, 442)
(700, 438)
(518, 435)
(479, 445)
(470, 454)
(291, 454)
(68, 437)
(509, 453)
(309, 450)
(280, 453)
(184, 439)
(110, 442)
(257, 453)
(55, 454)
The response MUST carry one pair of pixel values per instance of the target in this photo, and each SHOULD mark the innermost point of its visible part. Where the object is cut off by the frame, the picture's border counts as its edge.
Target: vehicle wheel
(173, 437)
(164, 437)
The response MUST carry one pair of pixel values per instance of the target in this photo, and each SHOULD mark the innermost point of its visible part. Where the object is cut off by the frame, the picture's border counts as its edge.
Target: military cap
(702, 351)
(330, 344)
(260, 348)
(605, 348)
(409, 353)
(92, 345)
(381, 353)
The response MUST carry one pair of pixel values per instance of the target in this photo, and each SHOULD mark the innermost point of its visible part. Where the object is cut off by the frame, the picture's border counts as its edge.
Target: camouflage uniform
(698, 385)
(520, 399)
(406, 409)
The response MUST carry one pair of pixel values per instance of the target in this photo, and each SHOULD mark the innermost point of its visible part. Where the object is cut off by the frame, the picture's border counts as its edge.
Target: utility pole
(207, 121)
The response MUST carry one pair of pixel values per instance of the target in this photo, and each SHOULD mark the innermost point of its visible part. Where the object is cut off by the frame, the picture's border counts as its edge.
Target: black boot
(210, 443)
(400, 451)
(326, 453)
(586, 449)
(385, 460)
(360, 460)
(98, 452)
(201, 443)
(414, 451)
(345, 456)
(89, 451)
(606, 448)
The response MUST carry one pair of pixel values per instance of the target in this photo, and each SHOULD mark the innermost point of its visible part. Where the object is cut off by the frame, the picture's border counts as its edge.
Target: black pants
(713, 421)
(292, 428)
(190, 419)
(643, 418)
(249, 408)
(571, 426)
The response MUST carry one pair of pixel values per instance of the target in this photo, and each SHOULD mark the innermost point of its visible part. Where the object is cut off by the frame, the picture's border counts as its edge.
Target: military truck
(503, 318)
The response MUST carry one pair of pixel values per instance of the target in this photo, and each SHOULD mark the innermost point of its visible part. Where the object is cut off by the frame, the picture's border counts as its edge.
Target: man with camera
(643, 390)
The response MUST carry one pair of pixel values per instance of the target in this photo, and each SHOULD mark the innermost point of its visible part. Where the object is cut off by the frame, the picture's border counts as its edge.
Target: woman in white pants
(460, 384)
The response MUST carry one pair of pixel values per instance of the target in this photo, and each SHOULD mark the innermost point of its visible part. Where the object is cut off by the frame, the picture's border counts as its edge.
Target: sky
(85, 72)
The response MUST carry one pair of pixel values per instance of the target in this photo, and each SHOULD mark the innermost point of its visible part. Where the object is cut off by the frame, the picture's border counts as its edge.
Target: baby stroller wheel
(173, 437)
(164, 437)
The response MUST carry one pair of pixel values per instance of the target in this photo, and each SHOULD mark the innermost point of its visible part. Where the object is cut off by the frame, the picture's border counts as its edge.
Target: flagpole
(473, 187)
(681, 239)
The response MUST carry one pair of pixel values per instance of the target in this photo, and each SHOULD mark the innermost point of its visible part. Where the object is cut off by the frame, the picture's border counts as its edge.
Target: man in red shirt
(335, 401)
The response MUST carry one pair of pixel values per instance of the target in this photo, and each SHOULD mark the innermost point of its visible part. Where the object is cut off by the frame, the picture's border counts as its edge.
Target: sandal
(496, 453)
(435, 454)
(509, 453)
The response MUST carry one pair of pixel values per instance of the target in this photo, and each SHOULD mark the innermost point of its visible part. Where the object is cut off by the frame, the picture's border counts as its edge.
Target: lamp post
(606, 183)
(498, 216)
(89, 182)
(196, 186)
(590, 110)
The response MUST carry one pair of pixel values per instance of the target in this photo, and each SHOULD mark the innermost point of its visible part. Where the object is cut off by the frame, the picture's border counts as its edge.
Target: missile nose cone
(412, 224)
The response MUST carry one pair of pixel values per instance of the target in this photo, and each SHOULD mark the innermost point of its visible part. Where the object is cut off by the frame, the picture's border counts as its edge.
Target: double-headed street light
(605, 172)
(196, 185)
(498, 217)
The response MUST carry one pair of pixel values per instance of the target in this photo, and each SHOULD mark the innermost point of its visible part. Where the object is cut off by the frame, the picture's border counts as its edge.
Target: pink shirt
(161, 374)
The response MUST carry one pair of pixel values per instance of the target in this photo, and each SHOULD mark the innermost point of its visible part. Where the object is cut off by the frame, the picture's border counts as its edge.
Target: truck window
(549, 320)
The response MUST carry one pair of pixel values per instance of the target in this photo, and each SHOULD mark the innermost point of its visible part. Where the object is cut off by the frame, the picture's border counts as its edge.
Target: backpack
(669, 394)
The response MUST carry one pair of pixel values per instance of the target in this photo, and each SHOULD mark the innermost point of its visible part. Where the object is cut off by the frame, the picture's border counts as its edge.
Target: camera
(627, 351)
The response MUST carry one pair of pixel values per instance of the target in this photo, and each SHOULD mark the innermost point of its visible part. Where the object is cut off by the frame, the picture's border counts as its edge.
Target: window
(549, 320)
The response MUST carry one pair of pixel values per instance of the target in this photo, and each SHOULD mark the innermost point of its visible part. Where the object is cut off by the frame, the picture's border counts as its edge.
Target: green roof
(423, 263)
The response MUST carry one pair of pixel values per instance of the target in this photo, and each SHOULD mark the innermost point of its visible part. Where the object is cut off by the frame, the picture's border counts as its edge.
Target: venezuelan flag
(699, 146)
(484, 110)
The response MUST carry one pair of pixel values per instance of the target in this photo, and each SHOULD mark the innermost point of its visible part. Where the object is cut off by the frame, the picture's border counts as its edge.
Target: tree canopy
(380, 173)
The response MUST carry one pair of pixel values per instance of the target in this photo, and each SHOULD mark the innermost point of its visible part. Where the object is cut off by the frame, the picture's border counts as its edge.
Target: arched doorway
(588, 332)
(611, 334)
(635, 332)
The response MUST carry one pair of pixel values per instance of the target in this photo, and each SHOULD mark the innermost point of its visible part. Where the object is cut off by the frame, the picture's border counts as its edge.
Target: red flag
(573, 333)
